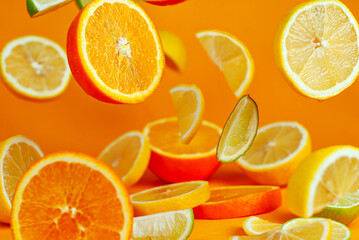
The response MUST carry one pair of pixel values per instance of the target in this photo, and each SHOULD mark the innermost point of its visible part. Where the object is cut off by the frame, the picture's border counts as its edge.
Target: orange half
(115, 52)
(71, 196)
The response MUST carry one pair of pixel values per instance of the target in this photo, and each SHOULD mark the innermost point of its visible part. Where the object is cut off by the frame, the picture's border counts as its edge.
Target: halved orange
(239, 201)
(71, 196)
(171, 197)
(189, 105)
(114, 51)
(128, 155)
(173, 161)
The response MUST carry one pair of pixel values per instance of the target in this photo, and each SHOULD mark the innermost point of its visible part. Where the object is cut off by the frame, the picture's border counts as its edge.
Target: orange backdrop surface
(77, 122)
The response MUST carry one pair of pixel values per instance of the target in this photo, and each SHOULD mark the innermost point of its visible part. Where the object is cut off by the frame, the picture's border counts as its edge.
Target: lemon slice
(231, 56)
(16, 155)
(39, 7)
(276, 151)
(324, 177)
(174, 50)
(316, 48)
(175, 225)
(189, 105)
(339, 231)
(128, 155)
(35, 67)
(320, 230)
(239, 131)
(255, 226)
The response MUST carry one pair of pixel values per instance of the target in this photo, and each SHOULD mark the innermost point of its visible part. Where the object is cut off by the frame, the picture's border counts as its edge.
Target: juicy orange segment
(119, 51)
(80, 198)
(189, 104)
(128, 156)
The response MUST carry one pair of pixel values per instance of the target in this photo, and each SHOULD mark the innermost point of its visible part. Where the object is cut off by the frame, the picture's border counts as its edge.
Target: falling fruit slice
(275, 153)
(128, 155)
(39, 7)
(339, 231)
(255, 226)
(189, 104)
(71, 196)
(239, 132)
(175, 225)
(324, 177)
(239, 201)
(314, 231)
(174, 50)
(114, 51)
(35, 67)
(16, 155)
(316, 48)
(173, 161)
(172, 197)
(231, 56)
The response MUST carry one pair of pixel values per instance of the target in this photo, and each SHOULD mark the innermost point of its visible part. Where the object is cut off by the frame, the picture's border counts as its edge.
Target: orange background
(77, 122)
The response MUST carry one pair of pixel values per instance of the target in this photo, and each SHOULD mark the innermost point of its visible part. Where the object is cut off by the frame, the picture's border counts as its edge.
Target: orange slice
(16, 155)
(239, 201)
(114, 51)
(172, 197)
(71, 196)
(173, 161)
(35, 67)
(189, 104)
(128, 155)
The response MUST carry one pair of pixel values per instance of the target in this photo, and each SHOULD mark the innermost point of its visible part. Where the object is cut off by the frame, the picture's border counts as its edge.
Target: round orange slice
(71, 196)
(172, 197)
(128, 155)
(173, 161)
(239, 201)
(114, 51)
(189, 105)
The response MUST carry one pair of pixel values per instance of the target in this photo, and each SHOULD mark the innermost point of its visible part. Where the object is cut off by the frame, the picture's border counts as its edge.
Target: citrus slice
(339, 231)
(128, 155)
(173, 161)
(71, 196)
(255, 226)
(114, 51)
(16, 155)
(39, 7)
(175, 225)
(174, 50)
(239, 132)
(239, 201)
(313, 231)
(324, 177)
(275, 153)
(189, 105)
(316, 48)
(164, 2)
(35, 67)
(231, 56)
(171, 197)
(344, 210)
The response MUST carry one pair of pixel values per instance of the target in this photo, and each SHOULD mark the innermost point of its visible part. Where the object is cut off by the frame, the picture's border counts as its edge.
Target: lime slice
(39, 7)
(82, 3)
(339, 231)
(239, 131)
(167, 225)
(344, 210)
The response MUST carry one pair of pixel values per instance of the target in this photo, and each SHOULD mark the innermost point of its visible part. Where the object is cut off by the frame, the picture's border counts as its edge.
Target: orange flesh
(123, 154)
(36, 66)
(166, 136)
(121, 48)
(70, 201)
(165, 192)
(218, 195)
